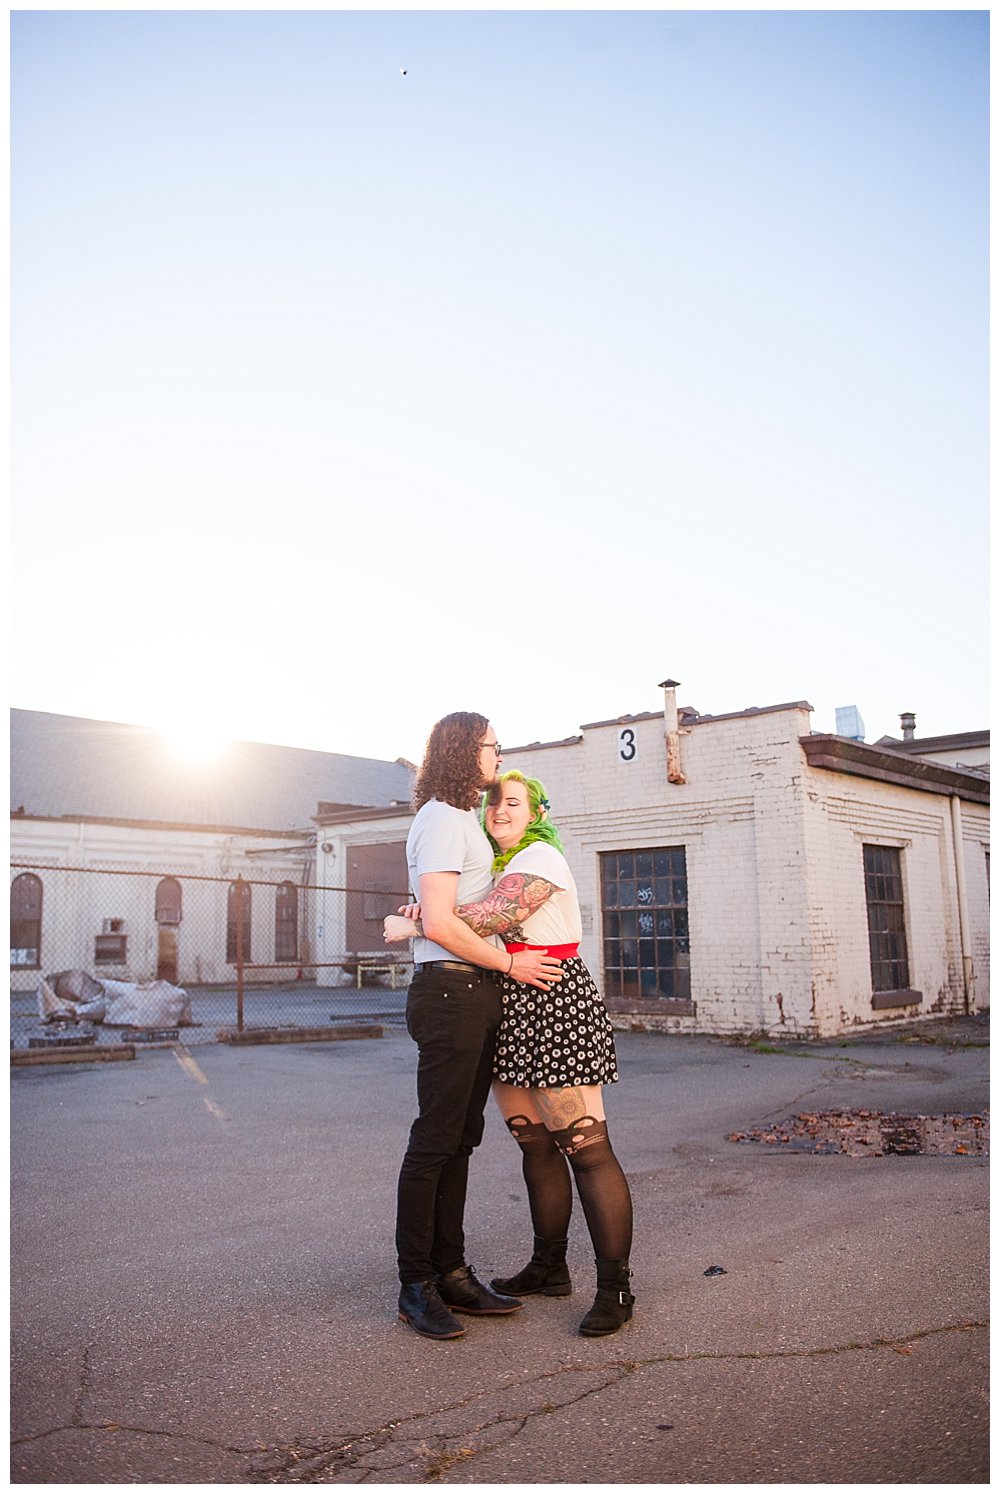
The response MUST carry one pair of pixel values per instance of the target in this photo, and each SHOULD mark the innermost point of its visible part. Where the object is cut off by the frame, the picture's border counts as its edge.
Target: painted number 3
(626, 744)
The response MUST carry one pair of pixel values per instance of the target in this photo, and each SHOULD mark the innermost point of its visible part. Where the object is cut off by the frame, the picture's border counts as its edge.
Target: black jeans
(452, 1016)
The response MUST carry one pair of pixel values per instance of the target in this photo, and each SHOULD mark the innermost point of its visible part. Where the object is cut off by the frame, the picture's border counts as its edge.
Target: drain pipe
(675, 773)
(968, 972)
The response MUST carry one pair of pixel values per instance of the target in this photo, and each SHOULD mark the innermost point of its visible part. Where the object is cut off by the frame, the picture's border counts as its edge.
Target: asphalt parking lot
(203, 1285)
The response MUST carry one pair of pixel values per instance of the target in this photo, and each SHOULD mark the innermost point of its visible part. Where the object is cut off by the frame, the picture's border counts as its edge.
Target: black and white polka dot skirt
(548, 1039)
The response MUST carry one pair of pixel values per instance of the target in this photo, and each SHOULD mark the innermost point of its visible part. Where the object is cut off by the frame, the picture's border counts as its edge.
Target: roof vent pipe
(674, 771)
(909, 724)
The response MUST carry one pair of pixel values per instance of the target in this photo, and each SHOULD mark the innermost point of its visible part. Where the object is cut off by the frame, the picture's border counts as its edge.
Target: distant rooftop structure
(961, 749)
(69, 767)
(849, 723)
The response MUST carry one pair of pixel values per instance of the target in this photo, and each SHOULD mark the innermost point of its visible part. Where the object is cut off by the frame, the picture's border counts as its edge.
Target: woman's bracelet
(511, 965)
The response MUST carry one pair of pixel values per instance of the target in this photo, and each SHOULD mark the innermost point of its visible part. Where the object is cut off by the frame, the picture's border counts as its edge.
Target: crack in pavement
(413, 1450)
(77, 1423)
(416, 1450)
(422, 1447)
(82, 1389)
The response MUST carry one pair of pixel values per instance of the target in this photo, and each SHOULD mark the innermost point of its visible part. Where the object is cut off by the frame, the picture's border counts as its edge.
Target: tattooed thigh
(561, 1107)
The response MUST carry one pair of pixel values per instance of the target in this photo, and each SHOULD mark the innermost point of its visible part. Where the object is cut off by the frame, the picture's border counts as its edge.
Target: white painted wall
(778, 920)
(75, 905)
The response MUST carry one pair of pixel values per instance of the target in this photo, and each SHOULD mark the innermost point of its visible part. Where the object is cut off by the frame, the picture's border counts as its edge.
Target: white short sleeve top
(557, 921)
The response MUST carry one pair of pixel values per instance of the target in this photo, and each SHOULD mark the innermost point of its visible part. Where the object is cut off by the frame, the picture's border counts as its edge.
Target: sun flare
(195, 744)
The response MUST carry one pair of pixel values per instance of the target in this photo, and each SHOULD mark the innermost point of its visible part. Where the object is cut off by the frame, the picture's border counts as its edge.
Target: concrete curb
(21, 1057)
(301, 1034)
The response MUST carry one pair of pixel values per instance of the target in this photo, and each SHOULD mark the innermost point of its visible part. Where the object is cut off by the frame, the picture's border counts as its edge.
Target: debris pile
(873, 1133)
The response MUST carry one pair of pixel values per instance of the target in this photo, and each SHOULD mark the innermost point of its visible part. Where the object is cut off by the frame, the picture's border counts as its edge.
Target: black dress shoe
(463, 1292)
(420, 1305)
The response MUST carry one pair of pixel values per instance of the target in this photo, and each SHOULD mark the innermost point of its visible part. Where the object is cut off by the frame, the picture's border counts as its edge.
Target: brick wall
(778, 918)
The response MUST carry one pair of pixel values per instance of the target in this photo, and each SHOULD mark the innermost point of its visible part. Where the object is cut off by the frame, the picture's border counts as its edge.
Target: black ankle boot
(420, 1305)
(546, 1273)
(462, 1291)
(614, 1302)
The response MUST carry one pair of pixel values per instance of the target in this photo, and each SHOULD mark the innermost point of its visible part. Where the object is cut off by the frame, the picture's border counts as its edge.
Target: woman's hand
(397, 929)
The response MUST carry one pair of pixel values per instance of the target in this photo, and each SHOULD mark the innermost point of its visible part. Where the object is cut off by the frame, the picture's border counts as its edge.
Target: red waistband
(558, 951)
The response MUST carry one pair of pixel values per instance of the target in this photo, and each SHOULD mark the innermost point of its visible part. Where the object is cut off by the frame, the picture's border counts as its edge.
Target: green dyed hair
(540, 827)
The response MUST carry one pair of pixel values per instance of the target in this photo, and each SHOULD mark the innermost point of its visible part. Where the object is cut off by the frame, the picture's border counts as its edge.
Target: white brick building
(793, 883)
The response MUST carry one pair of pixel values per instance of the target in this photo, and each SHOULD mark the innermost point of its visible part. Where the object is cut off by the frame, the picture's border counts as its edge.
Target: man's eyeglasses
(495, 745)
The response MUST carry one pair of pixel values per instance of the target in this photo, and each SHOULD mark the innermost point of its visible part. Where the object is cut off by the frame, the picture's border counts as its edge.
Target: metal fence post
(240, 893)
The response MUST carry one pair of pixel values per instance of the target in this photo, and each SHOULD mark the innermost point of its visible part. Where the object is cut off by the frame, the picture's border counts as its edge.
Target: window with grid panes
(645, 915)
(26, 921)
(237, 892)
(886, 920)
(286, 923)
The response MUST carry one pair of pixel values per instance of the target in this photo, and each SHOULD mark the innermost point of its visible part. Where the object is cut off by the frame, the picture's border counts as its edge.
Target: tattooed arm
(443, 926)
(515, 897)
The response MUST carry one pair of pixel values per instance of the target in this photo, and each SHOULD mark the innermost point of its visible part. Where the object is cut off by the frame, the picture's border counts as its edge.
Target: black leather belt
(448, 965)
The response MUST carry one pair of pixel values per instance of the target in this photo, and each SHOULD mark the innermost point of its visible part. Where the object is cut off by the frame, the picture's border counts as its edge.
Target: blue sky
(600, 347)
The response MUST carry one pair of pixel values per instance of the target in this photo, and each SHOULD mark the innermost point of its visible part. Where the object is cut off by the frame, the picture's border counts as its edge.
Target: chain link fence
(251, 954)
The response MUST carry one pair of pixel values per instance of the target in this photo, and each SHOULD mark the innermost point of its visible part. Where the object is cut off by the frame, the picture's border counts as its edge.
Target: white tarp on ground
(75, 996)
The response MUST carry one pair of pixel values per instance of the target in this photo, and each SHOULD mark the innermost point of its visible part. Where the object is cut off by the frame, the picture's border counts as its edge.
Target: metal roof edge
(844, 755)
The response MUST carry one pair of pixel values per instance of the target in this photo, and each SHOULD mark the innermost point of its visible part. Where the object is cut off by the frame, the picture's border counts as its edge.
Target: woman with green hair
(555, 1049)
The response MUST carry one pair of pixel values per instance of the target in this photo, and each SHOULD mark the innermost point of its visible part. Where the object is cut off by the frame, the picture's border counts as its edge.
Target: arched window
(26, 922)
(286, 923)
(168, 901)
(237, 890)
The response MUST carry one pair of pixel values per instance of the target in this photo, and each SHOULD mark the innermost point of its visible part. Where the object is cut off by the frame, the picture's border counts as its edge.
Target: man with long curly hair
(452, 1013)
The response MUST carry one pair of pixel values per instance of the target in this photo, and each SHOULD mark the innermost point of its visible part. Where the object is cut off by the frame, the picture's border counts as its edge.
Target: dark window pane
(883, 868)
(26, 921)
(643, 897)
(168, 901)
(232, 943)
(286, 923)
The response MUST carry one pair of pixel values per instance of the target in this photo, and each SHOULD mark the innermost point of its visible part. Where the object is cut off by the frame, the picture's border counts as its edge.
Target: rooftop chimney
(909, 724)
(675, 773)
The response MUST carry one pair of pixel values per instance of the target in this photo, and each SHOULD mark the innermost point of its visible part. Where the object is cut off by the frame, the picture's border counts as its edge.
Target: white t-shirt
(557, 921)
(445, 839)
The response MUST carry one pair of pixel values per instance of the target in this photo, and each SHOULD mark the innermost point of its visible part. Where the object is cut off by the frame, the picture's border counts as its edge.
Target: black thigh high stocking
(546, 1176)
(601, 1184)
